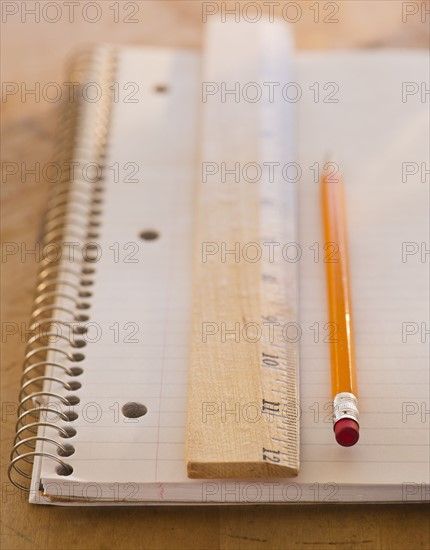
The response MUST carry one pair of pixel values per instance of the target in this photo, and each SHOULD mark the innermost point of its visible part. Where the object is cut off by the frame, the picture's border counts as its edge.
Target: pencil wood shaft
(342, 351)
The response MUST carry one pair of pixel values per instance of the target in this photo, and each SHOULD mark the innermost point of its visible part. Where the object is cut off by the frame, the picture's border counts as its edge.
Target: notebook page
(138, 330)
(381, 132)
(371, 132)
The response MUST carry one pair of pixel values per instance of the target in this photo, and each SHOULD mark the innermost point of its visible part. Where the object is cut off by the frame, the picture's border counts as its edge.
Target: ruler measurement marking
(268, 287)
(279, 379)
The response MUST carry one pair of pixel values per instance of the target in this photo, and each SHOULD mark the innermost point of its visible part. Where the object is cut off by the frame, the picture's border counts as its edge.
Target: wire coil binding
(63, 292)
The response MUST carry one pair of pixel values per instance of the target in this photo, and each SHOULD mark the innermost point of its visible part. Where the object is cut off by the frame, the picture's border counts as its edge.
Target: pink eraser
(346, 431)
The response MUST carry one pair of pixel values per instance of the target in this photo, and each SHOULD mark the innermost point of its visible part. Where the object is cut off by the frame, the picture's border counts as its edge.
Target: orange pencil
(342, 353)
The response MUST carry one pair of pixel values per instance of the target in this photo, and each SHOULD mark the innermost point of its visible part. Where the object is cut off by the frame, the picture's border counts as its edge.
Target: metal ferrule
(345, 406)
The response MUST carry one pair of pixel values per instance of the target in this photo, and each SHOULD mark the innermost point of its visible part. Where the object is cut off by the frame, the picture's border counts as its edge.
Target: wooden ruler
(243, 388)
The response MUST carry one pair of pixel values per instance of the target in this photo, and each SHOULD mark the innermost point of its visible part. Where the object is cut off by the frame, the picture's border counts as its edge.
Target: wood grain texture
(37, 52)
(230, 434)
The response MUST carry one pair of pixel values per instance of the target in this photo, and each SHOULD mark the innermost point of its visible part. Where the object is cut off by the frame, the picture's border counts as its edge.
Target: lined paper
(370, 132)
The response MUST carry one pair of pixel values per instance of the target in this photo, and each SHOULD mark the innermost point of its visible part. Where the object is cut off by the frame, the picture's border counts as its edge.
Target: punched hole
(90, 258)
(67, 450)
(95, 212)
(161, 88)
(149, 235)
(80, 330)
(81, 317)
(88, 270)
(134, 410)
(79, 344)
(86, 282)
(92, 235)
(76, 371)
(71, 415)
(75, 386)
(73, 400)
(71, 432)
(65, 470)
(94, 223)
(85, 294)
(78, 357)
(83, 305)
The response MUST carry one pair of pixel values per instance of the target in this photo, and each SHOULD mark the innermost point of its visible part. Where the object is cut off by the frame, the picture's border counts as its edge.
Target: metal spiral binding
(63, 292)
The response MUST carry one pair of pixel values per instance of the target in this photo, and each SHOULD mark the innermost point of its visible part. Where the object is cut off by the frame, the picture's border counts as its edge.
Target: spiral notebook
(108, 425)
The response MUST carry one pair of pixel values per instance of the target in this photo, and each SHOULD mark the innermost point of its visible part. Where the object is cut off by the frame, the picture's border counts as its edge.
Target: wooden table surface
(36, 52)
